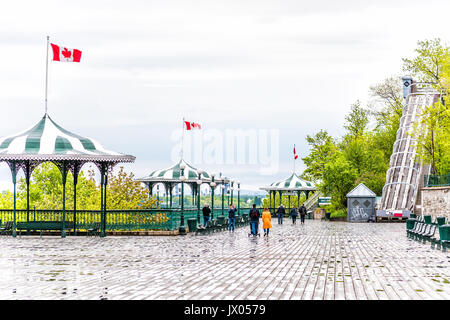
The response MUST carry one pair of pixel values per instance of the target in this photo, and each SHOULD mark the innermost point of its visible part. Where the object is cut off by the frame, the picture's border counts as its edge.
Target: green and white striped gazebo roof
(47, 141)
(172, 174)
(293, 183)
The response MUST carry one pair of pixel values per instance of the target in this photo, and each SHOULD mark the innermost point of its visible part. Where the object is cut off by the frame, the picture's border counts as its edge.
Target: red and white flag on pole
(65, 54)
(295, 154)
(192, 125)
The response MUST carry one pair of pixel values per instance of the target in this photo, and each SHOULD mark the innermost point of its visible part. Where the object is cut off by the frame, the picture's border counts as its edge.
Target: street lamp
(239, 194)
(222, 186)
(212, 184)
(157, 193)
(232, 183)
(199, 183)
(182, 229)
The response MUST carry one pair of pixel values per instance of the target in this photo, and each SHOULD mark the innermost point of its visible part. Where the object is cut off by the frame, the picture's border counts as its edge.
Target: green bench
(7, 228)
(94, 230)
(425, 229)
(237, 221)
(214, 225)
(42, 225)
(209, 227)
(419, 226)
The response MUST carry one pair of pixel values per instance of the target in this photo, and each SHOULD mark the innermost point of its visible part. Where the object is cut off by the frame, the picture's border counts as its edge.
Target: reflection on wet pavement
(318, 260)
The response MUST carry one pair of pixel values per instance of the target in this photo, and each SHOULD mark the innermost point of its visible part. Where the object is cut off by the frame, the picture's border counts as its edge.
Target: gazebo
(170, 177)
(48, 142)
(183, 172)
(294, 185)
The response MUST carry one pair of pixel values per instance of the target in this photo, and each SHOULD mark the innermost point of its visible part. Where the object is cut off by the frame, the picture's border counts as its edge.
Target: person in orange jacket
(267, 221)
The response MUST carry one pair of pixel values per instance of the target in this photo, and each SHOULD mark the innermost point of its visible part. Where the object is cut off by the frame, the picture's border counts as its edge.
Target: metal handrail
(406, 183)
(445, 177)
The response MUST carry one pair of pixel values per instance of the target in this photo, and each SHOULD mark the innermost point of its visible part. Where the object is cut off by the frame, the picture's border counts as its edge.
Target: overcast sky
(289, 65)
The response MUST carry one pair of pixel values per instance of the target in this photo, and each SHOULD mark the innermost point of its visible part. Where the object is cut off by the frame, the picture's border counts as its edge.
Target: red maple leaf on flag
(66, 53)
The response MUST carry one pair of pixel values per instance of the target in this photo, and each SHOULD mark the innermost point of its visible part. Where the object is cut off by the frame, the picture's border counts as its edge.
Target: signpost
(324, 201)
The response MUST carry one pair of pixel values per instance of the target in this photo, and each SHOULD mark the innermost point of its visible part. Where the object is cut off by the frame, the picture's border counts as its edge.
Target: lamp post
(212, 184)
(182, 229)
(157, 193)
(239, 194)
(199, 183)
(232, 183)
(222, 186)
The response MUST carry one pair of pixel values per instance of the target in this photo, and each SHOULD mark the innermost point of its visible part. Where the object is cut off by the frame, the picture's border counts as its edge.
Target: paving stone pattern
(319, 260)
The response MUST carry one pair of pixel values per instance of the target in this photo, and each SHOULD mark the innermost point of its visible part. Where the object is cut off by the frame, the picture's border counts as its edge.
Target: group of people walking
(294, 214)
(254, 215)
(254, 221)
(231, 216)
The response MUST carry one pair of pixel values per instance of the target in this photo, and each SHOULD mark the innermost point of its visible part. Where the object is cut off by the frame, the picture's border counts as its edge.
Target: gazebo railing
(116, 220)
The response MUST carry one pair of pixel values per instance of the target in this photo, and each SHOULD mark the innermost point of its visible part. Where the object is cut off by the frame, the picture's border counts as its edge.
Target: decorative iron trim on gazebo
(171, 176)
(292, 184)
(48, 142)
(181, 173)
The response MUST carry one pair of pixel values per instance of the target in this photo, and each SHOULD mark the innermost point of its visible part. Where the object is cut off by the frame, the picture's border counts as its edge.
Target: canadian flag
(65, 54)
(295, 154)
(192, 125)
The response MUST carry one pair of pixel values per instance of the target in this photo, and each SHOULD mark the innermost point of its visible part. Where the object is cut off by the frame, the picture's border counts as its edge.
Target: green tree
(126, 193)
(374, 181)
(386, 107)
(432, 134)
(338, 179)
(429, 63)
(357, 120)
(322, 149)
(356, 154)
(6, 200)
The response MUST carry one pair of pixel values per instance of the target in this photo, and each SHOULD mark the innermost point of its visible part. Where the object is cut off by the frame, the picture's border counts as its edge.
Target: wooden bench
(42, 225)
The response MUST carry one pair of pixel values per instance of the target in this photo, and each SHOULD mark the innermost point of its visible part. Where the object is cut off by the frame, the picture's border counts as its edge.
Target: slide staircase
(312, 202)
(405, 173)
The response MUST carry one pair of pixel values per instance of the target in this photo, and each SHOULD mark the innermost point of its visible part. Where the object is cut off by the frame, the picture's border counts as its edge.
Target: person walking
(302, 211)
(231, 217)
(267, 221)
(280, 213)
(206, 211)
(294, 214)
(254, 220)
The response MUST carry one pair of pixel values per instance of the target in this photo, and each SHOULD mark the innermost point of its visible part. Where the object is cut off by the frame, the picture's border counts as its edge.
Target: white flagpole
(182, 140)
(46, 77)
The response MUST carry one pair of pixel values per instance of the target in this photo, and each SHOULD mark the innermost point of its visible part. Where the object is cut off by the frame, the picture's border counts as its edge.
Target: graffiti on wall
(358, 213)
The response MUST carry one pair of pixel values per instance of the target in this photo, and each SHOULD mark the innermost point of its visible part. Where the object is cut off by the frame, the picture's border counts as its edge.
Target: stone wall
(436, 201)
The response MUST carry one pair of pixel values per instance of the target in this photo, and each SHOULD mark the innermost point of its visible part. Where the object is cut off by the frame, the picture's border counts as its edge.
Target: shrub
(341, 213)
